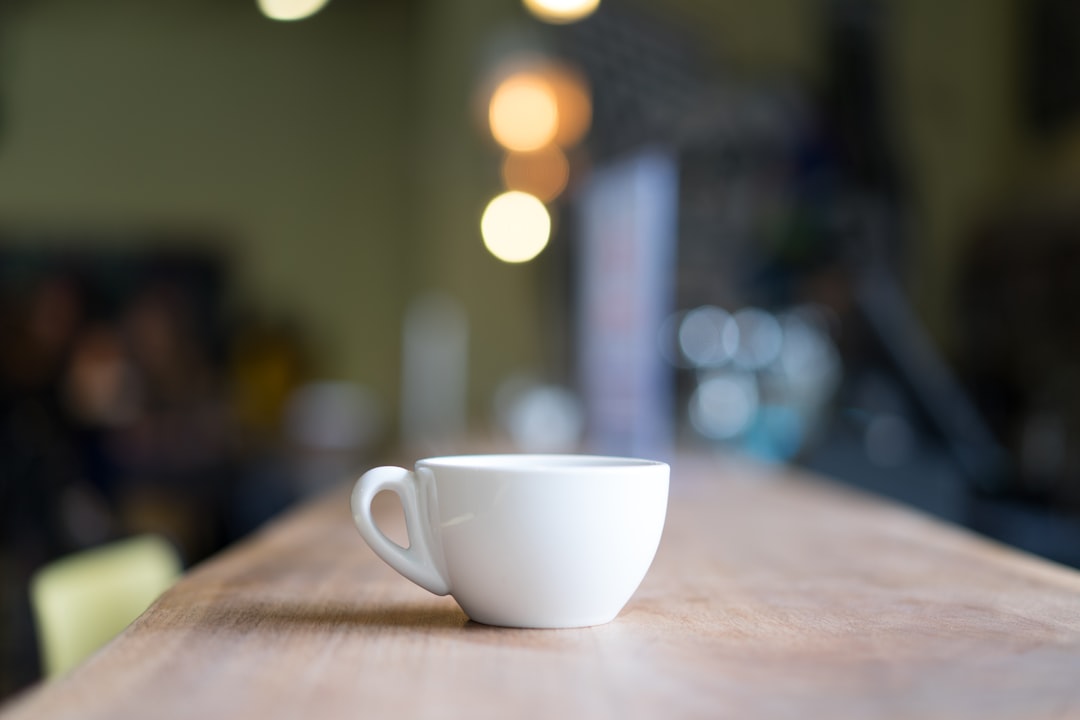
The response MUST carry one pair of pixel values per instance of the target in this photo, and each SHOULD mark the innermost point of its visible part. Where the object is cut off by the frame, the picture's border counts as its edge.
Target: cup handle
(415, 562)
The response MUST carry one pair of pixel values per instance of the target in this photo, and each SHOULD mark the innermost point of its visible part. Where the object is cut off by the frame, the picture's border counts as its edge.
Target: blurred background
(249, 249)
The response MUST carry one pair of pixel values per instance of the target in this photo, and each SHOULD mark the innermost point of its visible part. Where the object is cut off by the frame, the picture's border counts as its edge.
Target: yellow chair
(82, 601)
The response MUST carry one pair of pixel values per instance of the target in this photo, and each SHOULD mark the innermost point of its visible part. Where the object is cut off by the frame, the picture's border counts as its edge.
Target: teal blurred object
(81, 601)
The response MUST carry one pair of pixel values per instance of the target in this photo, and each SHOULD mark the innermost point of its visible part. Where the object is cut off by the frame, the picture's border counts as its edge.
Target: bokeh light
(760, 338)
(724, 404)
(539, 417)
(543, 173)
(290, 9)
(573, 101)
(708, 336)
(515, 227)
(523, 114)
(561, 11)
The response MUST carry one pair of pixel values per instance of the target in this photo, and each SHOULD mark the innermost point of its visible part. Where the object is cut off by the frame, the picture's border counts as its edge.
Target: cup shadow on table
(332, 617)
(283, 615)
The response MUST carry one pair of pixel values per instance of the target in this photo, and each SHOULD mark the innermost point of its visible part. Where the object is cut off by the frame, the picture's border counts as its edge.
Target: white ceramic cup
(540, 541)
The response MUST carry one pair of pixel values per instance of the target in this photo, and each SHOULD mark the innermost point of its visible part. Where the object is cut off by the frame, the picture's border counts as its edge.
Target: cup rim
(542, 462)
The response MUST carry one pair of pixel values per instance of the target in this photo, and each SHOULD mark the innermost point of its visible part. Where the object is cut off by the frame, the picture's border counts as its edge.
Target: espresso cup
(538, 541)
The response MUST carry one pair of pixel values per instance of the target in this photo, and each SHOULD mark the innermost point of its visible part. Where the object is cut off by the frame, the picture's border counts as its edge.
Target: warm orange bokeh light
(543, 173)
(542, 104)
(573, 101)
(523, 114)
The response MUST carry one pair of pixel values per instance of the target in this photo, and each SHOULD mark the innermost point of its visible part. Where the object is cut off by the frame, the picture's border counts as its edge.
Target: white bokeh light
(724, 405)
(760, 338)
(707, 336)
(515, 226)
(290, 9)
(561, 11)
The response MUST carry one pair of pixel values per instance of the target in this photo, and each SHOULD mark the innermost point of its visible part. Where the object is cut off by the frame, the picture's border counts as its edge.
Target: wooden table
(773, 594)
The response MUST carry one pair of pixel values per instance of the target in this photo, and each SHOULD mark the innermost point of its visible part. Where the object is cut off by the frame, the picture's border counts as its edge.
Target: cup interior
(523, 461)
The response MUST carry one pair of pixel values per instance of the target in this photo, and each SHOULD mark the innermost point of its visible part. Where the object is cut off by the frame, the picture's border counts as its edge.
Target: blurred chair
(83, 600)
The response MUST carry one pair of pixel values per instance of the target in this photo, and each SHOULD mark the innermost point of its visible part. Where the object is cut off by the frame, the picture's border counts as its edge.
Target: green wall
(336, 156)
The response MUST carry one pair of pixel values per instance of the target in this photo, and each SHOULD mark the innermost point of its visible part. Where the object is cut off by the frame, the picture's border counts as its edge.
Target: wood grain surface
(773, 594)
